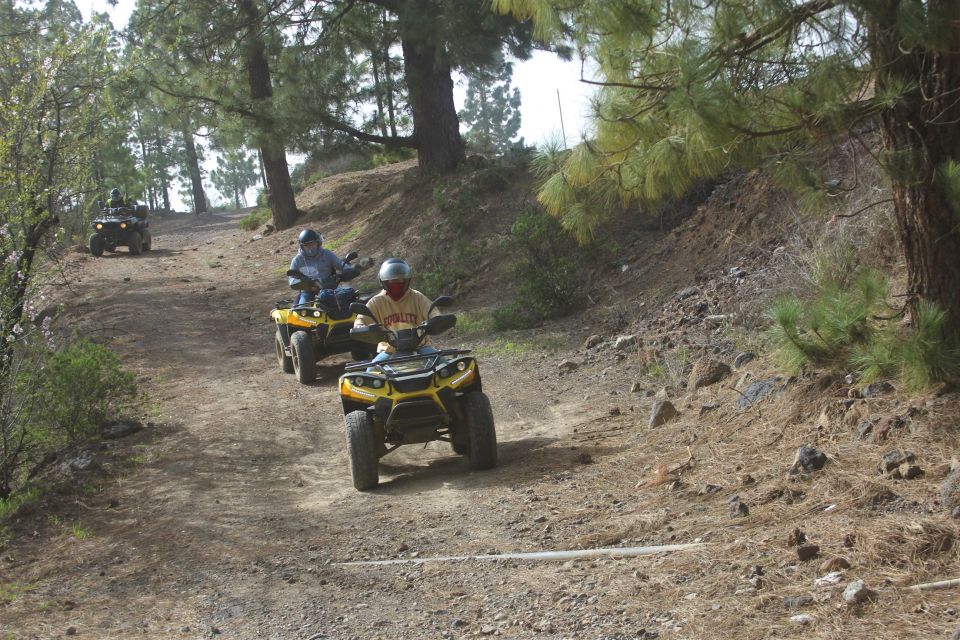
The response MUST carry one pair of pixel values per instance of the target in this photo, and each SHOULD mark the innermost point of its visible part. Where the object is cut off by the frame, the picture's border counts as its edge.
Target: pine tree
(236, 172)
(690, 91)
(491, 109)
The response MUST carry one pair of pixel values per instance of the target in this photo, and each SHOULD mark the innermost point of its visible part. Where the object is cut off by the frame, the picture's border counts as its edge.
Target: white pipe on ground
(576, 554)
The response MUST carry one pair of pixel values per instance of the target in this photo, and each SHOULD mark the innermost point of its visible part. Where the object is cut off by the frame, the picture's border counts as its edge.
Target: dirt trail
(241, 491)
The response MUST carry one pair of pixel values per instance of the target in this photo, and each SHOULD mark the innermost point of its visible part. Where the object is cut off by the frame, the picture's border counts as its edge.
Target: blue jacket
(323, 267)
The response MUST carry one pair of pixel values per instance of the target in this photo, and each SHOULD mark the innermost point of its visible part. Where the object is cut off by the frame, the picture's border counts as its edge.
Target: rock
(857, 592)
(622, 343)
(743, 358)
(636, 387)
(706, 408)
(706, 373)
(907, 471)
(716, 319)
(807, 552)
(738, 509)
(795, 602)
(707, 489)
(950, 493)
(758, 390)
(804, 619)
(737, 272)
(70, 631)
(662, 412)
(119, 429)
(956, 634)
(796, 538)
(259, 236)
(834, 563)
(688, 292)
(487, 630)
(125, 279)
(81, 462)
(893, 459)
(876, 389)
(592, 341)
(809, 459)
(832, 578)
(864, 429)
(566, 366)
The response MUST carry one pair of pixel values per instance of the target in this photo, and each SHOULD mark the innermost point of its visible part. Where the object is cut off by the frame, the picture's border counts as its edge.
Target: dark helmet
(395, 269)
(115, 194)
(306, 237)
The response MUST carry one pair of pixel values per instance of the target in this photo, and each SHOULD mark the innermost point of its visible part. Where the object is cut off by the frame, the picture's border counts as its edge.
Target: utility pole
(562, 130)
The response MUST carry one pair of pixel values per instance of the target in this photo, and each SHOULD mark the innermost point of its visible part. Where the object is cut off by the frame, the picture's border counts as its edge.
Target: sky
(550, 92)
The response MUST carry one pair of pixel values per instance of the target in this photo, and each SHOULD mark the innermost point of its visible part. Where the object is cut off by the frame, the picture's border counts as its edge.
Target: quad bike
(414, 398)
(309, 332)
(121, 226)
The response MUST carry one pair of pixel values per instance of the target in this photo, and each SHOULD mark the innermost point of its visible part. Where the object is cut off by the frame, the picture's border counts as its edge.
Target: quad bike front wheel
(135, 242)
(362, 449)
(481, 433)
(304, 360)
(147, 240)
(97, 245)
(285, 361)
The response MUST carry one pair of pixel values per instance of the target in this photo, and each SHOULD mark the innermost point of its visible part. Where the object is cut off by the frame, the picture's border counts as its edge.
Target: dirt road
(225, 516)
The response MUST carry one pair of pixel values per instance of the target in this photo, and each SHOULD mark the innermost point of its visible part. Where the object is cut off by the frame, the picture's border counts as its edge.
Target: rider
(116, 199)
(397, 306)
(318, 264)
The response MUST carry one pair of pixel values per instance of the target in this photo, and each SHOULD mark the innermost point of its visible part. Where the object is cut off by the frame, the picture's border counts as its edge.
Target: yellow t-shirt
(405, 313)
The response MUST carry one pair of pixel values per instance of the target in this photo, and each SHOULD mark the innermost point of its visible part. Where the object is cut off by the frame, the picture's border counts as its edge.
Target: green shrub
(844, 328)
(255, 218)
(58, 399)
(83, 385)
(549, 273)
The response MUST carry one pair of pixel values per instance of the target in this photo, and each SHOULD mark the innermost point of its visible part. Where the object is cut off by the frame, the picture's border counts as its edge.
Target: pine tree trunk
(436, 127)
(378, 92)
(193, 169)
(388, 79)
(922, 133)
(272, 153)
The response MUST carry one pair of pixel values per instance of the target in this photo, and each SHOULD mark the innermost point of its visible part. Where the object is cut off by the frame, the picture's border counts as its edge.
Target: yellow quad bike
(414, 398)
(307, 333)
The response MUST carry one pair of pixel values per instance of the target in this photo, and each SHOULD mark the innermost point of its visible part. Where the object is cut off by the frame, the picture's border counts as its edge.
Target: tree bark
(921, 134)
(272, 152)
(436, 127)
(193, 169)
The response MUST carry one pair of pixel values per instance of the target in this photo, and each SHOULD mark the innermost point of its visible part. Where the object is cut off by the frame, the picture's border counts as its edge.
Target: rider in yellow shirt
(397, 306)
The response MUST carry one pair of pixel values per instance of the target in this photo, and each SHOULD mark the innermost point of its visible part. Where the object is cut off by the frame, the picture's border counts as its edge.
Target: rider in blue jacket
(319, 264)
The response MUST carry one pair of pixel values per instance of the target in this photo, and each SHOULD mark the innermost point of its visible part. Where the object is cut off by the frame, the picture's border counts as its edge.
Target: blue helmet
(306, 237)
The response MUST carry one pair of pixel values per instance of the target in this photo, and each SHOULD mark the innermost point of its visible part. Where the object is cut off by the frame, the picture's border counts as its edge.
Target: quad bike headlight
(461, 365)
(123, 225)
(99, 226)
(445, 372)
(316, 314)
(360, 381)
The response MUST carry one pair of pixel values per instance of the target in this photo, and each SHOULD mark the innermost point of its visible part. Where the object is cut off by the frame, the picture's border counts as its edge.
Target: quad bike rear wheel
(285, 361)
(135, 242)
(481, 433)
(362, 450)
(304, 360)
(97, 245)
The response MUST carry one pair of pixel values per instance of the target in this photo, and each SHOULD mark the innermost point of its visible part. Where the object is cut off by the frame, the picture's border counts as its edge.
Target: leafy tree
(235, 173)
(689, 91)
(491, 109)
(53, 98)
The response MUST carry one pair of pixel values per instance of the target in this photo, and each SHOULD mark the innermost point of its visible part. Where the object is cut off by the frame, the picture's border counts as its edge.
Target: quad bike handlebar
(403, 339)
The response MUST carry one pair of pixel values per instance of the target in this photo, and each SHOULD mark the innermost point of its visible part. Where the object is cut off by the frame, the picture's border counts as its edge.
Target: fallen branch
(576, 554)
(931, 586)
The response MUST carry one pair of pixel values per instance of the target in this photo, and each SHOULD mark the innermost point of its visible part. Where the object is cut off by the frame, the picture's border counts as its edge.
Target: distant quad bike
(121, 226)
(414, 398)
(307, 333)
